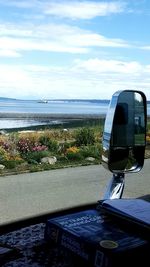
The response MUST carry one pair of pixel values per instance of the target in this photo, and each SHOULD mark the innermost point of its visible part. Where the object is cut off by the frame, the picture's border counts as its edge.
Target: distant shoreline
(11, 115)
(49, 120)
(58, 116)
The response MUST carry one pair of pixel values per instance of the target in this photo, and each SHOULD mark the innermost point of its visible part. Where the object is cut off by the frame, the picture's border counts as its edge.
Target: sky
(74, 49)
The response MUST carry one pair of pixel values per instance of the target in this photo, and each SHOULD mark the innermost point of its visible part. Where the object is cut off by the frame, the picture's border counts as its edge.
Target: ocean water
(25, 107)
(21, 107)
(58, 107)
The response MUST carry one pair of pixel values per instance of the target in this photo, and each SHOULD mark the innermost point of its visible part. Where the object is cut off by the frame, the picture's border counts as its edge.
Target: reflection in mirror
(125, 132)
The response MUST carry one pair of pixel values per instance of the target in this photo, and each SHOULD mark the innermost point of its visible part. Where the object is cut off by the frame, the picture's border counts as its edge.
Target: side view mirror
(124, 137)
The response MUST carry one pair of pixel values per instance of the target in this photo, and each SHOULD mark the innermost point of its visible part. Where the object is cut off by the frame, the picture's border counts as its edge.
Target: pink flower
(39, 148)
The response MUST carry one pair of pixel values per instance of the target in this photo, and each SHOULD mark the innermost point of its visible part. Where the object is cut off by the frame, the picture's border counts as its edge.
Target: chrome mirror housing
(124, 137)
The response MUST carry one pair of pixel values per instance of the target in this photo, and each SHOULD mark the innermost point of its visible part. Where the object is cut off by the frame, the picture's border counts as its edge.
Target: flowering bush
(39, 148)
(31, 147)
(24, 145)
(73, 153)
(5, 145)
(15, 157)
(4, 155)
(72, 149)
(8, 159)
(50, 143)
(32, 136)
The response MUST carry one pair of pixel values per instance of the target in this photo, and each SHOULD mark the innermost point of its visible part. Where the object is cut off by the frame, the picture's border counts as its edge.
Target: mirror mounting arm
(115, 187)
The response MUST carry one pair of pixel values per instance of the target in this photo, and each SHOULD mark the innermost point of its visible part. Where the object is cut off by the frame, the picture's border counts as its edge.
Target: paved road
(24, 195)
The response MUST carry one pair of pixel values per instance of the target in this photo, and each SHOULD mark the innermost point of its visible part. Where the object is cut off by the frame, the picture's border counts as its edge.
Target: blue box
(95, 238)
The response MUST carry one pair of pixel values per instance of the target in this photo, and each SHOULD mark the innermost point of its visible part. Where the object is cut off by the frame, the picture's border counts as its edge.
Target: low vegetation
(30, 151)
(36, 150)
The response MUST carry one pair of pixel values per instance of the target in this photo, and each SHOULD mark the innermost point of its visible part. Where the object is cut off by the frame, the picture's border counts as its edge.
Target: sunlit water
(52, 107)
(21, 107)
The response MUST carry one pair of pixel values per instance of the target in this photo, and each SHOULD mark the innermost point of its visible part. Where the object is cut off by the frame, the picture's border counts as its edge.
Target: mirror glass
(125, 132)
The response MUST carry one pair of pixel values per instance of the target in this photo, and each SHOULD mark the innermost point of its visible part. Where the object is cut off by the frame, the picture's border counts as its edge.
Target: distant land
(80, 100)
(59, 100)
(106, 101)
(7, 98)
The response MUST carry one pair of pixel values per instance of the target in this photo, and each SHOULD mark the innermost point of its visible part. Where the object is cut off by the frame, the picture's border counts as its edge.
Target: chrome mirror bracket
(115, 187)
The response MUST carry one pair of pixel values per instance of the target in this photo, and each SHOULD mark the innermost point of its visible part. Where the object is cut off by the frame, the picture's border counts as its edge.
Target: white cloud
(92, 78)
(15, 30)
(38, 45)
(109, 66)
(83, 9)
(9, 53)
(146, 47)
(86, 79)
(70, 9)
(92, 39)
(52, 38)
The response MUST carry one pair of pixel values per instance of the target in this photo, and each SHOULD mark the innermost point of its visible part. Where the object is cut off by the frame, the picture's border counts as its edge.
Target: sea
(25, 113)
(16, 113)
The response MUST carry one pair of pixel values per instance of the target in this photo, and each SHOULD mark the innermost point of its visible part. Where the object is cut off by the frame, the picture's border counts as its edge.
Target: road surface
(25, 195)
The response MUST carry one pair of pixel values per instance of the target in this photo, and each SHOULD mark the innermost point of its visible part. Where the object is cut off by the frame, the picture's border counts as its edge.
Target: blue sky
(74, 49)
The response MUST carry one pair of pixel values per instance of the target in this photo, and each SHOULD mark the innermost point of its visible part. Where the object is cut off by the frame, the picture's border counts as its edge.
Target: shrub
(35, 156)
(4, 145)
(91, 151)
(73, 153)
(44, 140)
(32, 136)
(51, 144)
(63, 146)
(24, 145)
(10, 164)
(85, 136)
(72, 149)
(74, 156)
(39, 148)
(4, 155)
